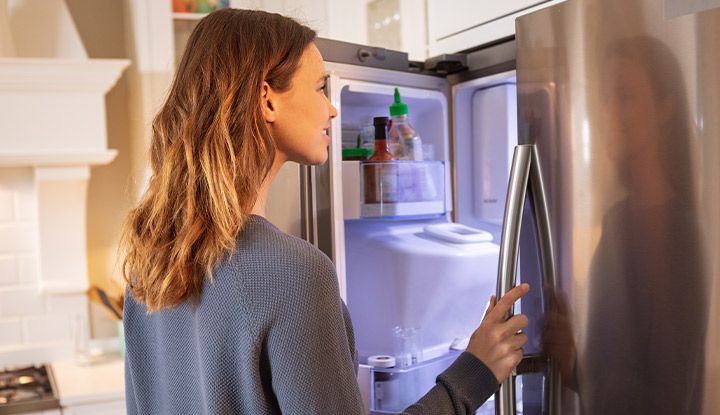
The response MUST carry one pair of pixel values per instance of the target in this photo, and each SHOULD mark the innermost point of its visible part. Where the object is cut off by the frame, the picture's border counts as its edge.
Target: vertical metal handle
(509, 243)
(547, 262)
(525, 171)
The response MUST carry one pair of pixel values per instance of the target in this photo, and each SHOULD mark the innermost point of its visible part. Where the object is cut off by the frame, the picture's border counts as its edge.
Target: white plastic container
(399, 275)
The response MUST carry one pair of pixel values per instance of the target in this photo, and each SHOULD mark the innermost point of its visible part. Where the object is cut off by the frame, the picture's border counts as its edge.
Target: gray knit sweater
(270, 335)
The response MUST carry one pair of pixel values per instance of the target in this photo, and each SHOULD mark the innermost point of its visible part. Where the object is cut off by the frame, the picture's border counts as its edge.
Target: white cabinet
(465, 14)
(458, 25)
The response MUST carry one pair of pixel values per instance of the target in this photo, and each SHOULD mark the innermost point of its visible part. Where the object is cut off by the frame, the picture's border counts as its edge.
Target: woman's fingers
(503, 305)
(490, 306)
(515, 324)
(497, 342)
(518, 341)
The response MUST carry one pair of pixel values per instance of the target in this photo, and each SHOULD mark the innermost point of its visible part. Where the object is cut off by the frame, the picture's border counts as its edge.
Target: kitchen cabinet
(462, 24)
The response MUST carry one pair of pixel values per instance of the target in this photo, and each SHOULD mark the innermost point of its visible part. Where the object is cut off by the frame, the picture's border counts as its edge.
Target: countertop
(87, 384)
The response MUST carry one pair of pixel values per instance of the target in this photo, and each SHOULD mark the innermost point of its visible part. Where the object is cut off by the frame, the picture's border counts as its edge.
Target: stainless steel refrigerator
(619, 108)
(609, 207)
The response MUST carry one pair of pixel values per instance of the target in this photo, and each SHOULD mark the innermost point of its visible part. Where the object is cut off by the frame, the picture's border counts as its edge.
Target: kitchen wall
(100, 24)
(52, 128)
(25, 316)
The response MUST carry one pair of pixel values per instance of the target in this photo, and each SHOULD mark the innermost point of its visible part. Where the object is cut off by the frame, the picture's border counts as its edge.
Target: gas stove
(27, 390)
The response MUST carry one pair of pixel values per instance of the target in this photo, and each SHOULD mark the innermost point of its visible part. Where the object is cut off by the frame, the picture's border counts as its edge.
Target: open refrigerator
(417, 270)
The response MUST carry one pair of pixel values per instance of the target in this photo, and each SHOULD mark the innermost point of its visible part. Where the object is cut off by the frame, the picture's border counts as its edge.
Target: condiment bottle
(409, 144)
(380, 177)
(382, 151)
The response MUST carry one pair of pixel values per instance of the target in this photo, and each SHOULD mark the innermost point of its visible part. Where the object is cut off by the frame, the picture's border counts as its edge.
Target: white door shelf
(394, 189)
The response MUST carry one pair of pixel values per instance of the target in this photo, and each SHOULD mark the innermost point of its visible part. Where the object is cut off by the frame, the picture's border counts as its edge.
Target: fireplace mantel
(52, 121)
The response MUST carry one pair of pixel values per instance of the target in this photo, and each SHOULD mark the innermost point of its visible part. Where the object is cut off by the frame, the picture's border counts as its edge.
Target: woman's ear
(268, 100)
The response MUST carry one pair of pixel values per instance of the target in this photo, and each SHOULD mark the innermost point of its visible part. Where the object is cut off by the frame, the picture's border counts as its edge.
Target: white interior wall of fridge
(485, 135)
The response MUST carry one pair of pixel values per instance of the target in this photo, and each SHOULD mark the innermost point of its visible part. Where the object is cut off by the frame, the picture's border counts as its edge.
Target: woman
(225, 313)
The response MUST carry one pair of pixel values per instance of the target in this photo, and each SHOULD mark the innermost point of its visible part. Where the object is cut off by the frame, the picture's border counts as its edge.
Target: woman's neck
(261, 202)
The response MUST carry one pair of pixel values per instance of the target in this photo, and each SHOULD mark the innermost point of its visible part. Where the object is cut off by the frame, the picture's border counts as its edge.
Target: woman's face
(299, 118)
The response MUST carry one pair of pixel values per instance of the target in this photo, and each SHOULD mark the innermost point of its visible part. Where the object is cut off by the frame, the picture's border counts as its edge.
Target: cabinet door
(447, 18)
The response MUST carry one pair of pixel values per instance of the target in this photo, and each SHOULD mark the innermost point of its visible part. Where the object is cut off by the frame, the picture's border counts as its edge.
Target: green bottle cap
(356, 153)
(398, 107)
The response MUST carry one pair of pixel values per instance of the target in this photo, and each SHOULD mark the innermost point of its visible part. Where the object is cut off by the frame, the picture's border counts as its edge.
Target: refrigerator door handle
(525, 175)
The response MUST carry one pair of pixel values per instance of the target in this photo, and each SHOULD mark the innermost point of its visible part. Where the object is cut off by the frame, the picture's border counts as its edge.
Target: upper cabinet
(464, 24)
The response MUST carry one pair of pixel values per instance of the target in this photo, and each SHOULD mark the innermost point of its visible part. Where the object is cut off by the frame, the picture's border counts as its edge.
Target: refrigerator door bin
(393, 189)
(394, 389)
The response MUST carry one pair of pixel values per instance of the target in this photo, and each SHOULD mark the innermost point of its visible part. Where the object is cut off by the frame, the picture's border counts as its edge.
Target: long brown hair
(210, 153)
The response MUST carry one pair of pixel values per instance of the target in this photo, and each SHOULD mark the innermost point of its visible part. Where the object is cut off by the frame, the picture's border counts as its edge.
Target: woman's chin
(315, 159)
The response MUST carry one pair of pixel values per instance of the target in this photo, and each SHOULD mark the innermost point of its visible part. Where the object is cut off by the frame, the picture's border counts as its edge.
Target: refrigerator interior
(411, 293)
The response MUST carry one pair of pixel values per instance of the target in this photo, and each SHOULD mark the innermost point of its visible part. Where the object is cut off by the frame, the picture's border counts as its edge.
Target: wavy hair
(210, 153)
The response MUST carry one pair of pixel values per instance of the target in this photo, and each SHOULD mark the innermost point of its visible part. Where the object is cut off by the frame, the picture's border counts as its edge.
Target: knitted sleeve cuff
(468, 381)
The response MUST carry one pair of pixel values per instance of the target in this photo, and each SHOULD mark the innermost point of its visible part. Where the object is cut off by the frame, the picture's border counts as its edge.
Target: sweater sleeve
(310, 353)
(460, 389)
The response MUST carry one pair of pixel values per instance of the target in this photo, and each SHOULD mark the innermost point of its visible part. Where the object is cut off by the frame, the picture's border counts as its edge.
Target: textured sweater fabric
(269, 335)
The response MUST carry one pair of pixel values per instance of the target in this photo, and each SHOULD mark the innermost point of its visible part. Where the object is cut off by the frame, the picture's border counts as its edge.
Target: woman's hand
(498, 342)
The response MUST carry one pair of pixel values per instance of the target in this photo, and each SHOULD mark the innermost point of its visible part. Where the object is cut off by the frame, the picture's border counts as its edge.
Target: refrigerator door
(359, 93)
(621, 102)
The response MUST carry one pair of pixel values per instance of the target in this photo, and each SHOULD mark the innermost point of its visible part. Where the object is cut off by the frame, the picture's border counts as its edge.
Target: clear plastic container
(405, 141)
(402, 188)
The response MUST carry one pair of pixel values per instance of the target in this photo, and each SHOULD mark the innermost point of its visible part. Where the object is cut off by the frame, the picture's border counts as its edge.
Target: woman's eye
(322, 88)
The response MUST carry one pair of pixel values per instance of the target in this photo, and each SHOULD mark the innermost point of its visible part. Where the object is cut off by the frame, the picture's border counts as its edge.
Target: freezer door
(621, 99)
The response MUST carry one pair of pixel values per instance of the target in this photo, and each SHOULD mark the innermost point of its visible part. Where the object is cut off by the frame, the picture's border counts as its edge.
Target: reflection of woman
(226, 314)
(646, 334)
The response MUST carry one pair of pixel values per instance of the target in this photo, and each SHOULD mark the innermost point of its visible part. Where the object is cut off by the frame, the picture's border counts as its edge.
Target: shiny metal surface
(622, 103)
(509, 243)
(514, 204)
(547, 261)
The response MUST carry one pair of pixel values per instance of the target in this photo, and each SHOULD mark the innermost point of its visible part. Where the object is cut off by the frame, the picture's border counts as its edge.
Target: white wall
(334, 19)
(33, 324)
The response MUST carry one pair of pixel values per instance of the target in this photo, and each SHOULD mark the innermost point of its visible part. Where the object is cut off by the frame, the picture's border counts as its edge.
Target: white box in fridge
(398, 275)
